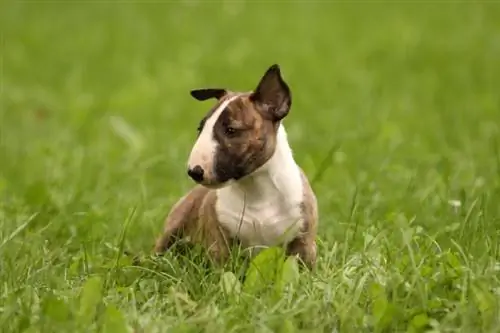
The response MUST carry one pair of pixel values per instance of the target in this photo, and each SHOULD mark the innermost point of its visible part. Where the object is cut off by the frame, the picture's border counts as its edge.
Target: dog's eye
(230, 131)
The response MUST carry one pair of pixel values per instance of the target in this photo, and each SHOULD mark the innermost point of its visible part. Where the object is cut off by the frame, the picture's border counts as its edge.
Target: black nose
(196, 173)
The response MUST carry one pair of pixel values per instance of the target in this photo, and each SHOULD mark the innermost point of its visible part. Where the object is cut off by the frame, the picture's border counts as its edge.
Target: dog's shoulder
(307, 187)
(309, 202)
(189, 204)
(183, 217)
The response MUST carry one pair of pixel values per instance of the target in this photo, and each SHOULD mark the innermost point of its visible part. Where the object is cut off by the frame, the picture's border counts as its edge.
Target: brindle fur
(193, 218)
(304, 245)
(255, 117)
(252, 145)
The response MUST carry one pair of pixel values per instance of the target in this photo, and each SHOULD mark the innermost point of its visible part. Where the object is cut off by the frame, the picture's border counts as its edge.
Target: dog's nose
(196, 173)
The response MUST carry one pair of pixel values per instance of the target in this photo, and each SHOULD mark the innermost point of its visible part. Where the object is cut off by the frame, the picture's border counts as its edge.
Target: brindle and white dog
(250, 189)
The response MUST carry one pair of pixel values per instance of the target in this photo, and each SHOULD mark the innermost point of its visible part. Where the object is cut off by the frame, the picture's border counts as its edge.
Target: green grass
(396, 118)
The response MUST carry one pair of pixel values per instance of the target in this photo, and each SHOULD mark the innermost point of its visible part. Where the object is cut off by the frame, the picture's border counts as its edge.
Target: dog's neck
(278, 179)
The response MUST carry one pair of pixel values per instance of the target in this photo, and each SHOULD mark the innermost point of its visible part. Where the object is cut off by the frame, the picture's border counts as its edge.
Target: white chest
(265, 223)
(264, 209)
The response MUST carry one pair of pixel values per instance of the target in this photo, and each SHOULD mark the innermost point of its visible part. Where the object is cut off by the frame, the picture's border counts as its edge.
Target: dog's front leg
(305, 248)
(180, 219)
(172, 231)
(214, 237)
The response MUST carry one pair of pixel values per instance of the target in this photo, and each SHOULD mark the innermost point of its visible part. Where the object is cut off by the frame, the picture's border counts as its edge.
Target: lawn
(395, 119)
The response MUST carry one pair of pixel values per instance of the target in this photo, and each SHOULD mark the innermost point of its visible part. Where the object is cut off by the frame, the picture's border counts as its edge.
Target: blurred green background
(395, 113)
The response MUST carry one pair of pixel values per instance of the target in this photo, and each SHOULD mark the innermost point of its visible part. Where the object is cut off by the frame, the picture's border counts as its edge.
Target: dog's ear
(204, 94)
(273, 94)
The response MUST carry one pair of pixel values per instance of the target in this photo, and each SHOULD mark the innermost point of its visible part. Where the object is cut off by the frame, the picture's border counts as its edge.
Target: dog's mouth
(214, 184)
(227, 174)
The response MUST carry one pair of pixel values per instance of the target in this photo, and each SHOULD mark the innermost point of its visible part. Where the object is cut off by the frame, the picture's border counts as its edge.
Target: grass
(395, 117)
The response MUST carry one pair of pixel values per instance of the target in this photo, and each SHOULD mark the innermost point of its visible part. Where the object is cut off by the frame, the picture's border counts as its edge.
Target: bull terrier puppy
(249, 189)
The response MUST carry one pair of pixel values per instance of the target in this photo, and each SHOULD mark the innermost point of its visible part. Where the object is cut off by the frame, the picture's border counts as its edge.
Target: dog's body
(250, 190)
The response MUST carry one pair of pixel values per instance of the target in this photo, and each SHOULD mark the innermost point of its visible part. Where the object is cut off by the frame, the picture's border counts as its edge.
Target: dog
(249, 189)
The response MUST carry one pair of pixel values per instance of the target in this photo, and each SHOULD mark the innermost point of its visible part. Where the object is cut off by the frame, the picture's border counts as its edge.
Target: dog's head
(238, 135)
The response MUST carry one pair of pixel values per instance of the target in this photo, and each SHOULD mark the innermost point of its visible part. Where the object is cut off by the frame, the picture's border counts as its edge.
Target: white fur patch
(264, 208)
(205, 147)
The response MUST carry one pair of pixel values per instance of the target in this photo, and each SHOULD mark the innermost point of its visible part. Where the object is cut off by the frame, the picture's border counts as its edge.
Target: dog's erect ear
(273, 94)
(204, 94)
